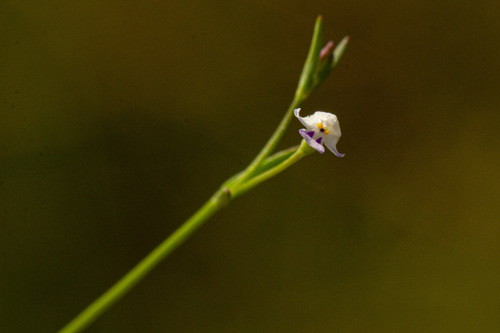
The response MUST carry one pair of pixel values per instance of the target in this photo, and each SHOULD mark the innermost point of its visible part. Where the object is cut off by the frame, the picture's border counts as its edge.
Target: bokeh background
(119, 119)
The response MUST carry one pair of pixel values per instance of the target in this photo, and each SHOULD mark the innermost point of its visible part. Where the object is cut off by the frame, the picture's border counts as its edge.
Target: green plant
(320, 128)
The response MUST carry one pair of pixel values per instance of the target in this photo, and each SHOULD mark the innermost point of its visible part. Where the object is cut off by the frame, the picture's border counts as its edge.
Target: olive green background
(120, 118)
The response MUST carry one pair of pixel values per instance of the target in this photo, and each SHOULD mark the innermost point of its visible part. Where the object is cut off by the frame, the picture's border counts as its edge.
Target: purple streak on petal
(311, 142)
(319, 140)
(310, 133)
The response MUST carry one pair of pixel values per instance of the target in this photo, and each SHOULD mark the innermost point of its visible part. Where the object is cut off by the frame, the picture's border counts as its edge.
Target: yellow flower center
(322, 129)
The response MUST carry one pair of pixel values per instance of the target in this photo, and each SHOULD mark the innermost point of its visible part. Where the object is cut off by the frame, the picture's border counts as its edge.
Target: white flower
(321, 127)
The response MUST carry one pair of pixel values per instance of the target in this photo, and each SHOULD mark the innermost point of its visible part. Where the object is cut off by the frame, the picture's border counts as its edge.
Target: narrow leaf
(339, 50)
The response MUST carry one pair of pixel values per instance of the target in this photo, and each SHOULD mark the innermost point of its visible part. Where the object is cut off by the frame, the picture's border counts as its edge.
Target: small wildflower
(321, 127)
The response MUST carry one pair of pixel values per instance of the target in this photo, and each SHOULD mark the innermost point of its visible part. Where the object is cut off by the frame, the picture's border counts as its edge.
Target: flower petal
(331, 145)
(296, 113)
(319, 147)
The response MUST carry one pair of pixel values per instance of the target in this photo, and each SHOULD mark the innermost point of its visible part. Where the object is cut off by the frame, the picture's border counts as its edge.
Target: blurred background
(119, 119)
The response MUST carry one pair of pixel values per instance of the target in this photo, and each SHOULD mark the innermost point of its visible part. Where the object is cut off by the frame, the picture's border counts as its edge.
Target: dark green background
(119, 119)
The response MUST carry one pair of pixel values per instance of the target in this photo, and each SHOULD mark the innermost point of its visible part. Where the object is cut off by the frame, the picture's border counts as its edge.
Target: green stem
(119, 289)
(268, 163)
(276, 159)
(269, 168)
(243, 187)
(304, 88)
(273, 141)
